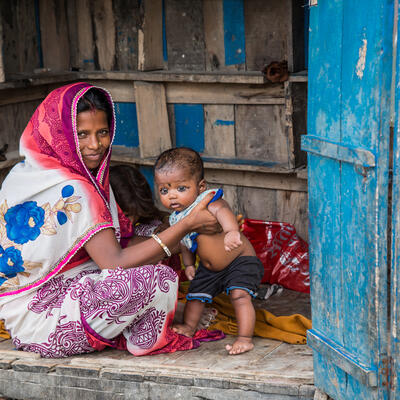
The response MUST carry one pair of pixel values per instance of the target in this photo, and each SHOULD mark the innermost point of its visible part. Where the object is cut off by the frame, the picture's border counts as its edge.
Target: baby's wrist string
(163, 246)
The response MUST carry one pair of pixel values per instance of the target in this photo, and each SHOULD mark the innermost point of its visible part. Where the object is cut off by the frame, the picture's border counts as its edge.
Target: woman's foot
(241, 345)
(184, 329)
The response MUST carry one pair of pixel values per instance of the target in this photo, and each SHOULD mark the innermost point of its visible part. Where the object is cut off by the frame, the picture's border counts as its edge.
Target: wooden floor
(273, 370)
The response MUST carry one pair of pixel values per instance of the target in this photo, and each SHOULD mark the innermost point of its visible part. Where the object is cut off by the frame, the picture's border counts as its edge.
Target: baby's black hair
(95, 99)
(133, 194)
(181, 157)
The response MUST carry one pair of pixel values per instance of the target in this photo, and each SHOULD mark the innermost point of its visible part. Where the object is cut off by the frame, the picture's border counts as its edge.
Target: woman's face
(94, 136)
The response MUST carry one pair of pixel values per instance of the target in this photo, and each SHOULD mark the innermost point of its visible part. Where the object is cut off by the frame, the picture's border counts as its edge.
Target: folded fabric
(289, 329)
(177, 342)
(3, 332)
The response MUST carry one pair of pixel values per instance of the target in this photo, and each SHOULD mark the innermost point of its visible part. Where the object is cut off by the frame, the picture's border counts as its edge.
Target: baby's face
(177, 188)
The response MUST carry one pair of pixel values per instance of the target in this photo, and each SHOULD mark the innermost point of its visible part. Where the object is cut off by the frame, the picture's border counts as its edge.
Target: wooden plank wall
(233, 121)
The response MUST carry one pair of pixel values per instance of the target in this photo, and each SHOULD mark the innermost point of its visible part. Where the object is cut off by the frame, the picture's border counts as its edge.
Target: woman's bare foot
(241, 345)
(184, 329)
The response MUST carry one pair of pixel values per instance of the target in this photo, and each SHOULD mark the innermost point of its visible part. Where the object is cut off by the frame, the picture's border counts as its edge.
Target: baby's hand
(232, 240)
(190, 272)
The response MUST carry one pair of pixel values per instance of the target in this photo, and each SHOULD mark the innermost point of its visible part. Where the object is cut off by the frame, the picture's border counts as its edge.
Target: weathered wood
(251, 78)
(104, 33)
(261, 134)
(185, 35)
(219, 131)
(214, 36)
(257, 180)
(275, 205)
(154, 136)
(207, 93)
(267, 27)
(85, 44)
(223, 94)
(20, 40)
(13, 120)
(126, 14)
(150, 36)
(2, 76)
(54, 35)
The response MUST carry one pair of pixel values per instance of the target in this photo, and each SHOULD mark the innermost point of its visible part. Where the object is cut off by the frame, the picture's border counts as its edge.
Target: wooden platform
(273, 370)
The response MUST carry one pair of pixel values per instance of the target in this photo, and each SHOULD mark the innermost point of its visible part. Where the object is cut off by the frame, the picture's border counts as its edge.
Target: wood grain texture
(261, 134)
(185, 35)
(267, 30)
(154, 135)
(127, 16)
(85, 43)
(150, 36)
(54, 35)
(20, 39)
(13, 120)
(104, 34)
(219, 130)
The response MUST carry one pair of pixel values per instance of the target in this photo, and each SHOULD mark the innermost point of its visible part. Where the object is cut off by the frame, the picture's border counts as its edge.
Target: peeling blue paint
(127, 133)
(222, 122)
(189, 126)
(234, 34)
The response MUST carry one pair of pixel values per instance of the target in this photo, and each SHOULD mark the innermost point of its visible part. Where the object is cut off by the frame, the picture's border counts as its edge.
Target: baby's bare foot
(184, 329)
(241, 345)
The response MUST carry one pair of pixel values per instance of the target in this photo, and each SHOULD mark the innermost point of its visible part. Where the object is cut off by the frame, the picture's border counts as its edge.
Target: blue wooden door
(348, 141)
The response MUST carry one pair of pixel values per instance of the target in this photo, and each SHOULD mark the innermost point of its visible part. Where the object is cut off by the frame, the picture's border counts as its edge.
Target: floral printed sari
(53, 298)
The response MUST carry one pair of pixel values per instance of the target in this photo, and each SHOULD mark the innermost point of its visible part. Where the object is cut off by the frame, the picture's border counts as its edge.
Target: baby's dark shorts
(244, 273)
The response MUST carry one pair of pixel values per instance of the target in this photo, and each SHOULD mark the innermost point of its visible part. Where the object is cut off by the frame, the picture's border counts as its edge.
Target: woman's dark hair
(133, 193)
(95, 99)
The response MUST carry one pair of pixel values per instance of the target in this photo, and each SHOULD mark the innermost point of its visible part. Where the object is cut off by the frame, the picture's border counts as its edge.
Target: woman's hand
(201, 220)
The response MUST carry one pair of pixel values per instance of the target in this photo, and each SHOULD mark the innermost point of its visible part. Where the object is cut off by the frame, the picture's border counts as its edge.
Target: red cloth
(283, 253)
(176, 342)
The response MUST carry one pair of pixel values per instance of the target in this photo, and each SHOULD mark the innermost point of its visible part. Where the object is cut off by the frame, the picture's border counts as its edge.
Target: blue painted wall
(126, 126)
(234, 33)
(189, 126)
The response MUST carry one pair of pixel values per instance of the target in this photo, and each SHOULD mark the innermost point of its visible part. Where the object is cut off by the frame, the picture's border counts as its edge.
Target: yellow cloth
(3, 333)
(289, 329)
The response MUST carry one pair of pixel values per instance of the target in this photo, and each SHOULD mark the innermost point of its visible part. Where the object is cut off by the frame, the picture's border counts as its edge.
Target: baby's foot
(184, 329)
(241, 345)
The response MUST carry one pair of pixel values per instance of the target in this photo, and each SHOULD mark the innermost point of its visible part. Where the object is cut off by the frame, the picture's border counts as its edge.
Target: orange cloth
(289, 329)
(3, 332)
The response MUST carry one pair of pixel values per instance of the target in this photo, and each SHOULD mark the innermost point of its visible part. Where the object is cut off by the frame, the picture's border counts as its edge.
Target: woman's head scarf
(50, 203)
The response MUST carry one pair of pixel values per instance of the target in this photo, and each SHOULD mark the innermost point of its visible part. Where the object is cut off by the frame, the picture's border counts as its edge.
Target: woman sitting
(66, 285)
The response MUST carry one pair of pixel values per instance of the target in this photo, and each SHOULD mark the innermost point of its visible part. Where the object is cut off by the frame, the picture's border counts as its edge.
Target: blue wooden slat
(342, 358)
(127, 133)
(148, 173)
(326, 148)
(234, 33)
(189, 126)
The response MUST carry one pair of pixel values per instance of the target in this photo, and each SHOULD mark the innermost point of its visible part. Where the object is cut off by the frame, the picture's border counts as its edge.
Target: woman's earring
(99, 143)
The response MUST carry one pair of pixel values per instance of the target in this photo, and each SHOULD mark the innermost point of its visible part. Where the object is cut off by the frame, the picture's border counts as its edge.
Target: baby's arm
(221, 210)
(188, 260)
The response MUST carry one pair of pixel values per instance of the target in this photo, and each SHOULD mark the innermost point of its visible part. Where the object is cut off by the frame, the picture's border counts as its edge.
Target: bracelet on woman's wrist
(163, 246)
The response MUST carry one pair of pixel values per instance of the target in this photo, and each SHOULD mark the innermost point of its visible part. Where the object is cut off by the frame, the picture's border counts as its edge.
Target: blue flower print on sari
(11, 263)
(23, 222)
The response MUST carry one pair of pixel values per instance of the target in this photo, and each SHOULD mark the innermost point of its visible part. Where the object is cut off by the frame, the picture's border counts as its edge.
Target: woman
(67, 286)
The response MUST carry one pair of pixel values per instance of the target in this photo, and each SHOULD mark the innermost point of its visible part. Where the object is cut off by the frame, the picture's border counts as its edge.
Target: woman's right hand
(201, 220)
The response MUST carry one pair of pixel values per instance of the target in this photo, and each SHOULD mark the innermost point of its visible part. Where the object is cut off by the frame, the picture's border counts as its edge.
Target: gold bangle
(163, 246)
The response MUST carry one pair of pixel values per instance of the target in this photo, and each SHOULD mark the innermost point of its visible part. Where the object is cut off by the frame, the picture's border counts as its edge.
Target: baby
(227, 259)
